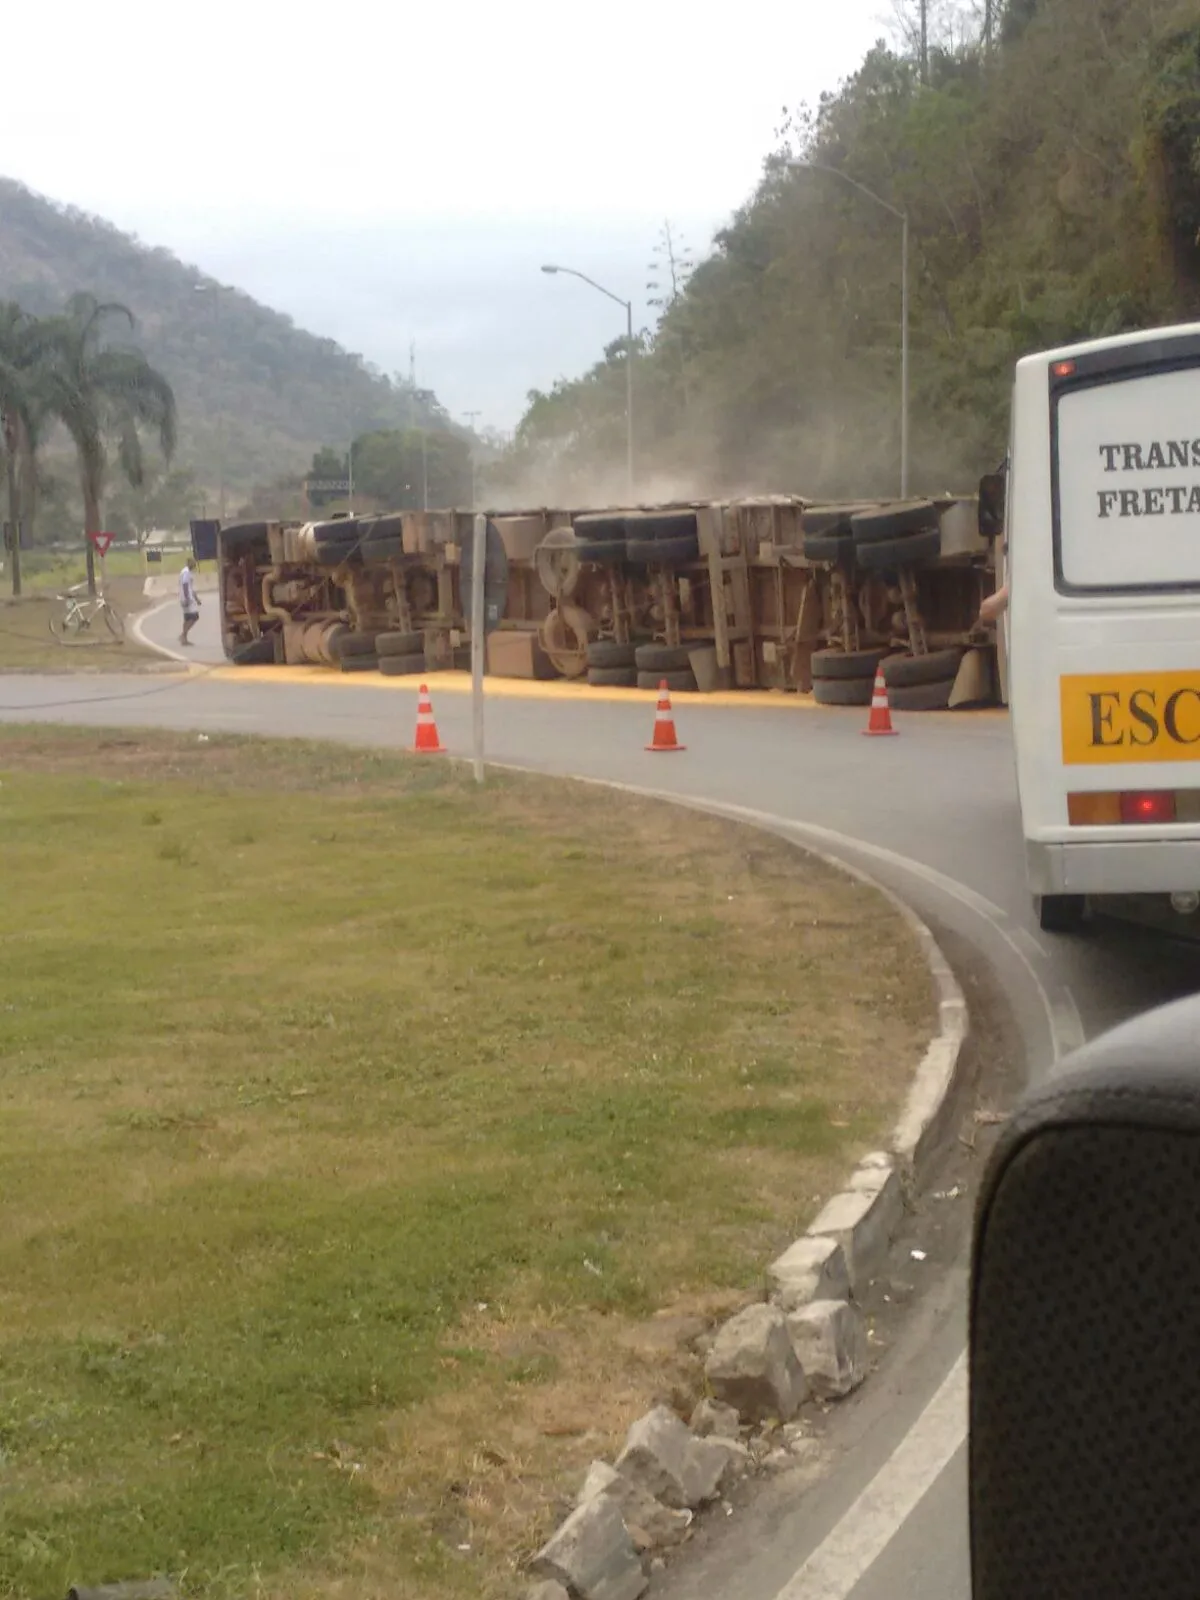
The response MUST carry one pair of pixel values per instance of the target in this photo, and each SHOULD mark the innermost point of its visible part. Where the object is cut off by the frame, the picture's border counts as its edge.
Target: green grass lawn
(367, 1141)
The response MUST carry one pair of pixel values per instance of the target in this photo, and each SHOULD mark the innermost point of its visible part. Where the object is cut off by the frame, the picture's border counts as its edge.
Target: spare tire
(400, 644)
(843, 691)
(401, 666)
(673, 552)
(677, 682)
(662, 658)
(894, 521)
(608, 653)
(923, 696)
(904, 672)
(613, 677)
(914, 550)
(834, 664)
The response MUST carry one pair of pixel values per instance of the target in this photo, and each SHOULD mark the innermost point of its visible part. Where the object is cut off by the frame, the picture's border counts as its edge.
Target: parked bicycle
(80, 610)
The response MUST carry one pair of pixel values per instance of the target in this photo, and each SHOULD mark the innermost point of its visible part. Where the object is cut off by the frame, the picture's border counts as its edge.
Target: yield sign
(101, 541)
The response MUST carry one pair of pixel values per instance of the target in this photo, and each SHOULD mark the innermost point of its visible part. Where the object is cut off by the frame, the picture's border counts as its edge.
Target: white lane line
(150, 644)
(864, 1533)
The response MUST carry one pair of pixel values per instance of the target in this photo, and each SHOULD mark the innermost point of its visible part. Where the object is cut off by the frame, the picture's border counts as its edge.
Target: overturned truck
(768, 593)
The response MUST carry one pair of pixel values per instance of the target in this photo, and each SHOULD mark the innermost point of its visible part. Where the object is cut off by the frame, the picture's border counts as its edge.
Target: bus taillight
(1151, 806)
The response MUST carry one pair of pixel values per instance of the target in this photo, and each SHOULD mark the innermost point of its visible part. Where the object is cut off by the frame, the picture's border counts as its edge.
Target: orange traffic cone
(881, 712)
(664, 724)
(428, 743)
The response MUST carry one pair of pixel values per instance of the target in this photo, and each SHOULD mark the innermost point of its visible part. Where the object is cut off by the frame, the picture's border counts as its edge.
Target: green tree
(20, 419)
(104, 395)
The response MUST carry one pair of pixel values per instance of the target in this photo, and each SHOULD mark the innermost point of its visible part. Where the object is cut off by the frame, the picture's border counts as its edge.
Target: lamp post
(204, 288)
(817, 166)
(628, 304)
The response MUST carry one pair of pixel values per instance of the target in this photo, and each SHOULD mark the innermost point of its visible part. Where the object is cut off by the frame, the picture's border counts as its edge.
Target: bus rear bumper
(1144, 866)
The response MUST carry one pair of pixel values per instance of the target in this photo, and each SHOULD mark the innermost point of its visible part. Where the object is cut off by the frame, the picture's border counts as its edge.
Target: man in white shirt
(189, 601)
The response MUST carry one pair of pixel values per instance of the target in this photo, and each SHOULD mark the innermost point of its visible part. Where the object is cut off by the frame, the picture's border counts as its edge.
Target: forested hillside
(281, 391)
(1047, 154)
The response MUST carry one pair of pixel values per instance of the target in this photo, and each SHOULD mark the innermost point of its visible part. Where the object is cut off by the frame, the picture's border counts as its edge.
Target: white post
(478, 573)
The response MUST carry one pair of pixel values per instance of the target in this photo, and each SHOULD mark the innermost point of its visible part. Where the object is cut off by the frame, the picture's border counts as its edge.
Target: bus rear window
(1127, 500)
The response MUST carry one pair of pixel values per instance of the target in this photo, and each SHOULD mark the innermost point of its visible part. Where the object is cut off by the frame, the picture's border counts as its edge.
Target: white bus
(1102, 563)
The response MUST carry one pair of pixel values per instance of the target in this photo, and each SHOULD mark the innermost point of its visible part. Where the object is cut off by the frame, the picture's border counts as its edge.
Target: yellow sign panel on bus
(1130, 717)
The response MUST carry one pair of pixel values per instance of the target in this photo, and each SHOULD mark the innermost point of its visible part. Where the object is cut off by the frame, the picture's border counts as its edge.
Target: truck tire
(242, 534)
(825, 519)
(600, 529)
(677, 682)
(400, 644)
(832, 664)
(843, 691)
(922, 696)
(254, 653)
(837, 548)
(913, 550)
(358, 664)
(401, 666)
(601, 552)
(903, 672)
(376, 552)
(613, 677)
(1060, 913)
(673, 552)
(608, 653)
(662, 658)
(893, 522)
(355, 644)
(389, 525)
(338, 555)
(661, 525)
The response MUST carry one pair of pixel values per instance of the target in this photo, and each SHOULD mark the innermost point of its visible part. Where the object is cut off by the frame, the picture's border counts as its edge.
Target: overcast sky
(388, 174)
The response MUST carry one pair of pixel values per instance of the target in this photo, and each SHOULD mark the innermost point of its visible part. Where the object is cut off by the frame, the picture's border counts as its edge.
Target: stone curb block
(839, 1253)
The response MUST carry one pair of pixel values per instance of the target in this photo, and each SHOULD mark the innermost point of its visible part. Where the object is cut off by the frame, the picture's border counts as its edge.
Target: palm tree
(20, 416)
(103, 394)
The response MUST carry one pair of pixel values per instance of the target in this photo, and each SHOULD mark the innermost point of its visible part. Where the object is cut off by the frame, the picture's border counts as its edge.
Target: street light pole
(817, 166)
(628, 304)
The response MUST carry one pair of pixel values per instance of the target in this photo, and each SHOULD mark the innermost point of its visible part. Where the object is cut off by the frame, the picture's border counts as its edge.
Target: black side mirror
(992, 488)
(1085, 1329)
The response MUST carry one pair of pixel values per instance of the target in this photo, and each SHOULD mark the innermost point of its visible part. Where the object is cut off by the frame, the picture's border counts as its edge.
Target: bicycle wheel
(65, 625)
(115, 621)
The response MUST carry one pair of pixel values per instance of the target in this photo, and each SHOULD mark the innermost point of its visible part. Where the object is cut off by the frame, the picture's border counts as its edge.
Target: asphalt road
(933, 813)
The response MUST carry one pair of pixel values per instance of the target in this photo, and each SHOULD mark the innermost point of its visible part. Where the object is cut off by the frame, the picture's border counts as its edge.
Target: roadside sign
(495, 578)
(101, 542)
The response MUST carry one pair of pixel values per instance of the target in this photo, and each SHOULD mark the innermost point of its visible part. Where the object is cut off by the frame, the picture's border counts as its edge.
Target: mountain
(251, 387)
